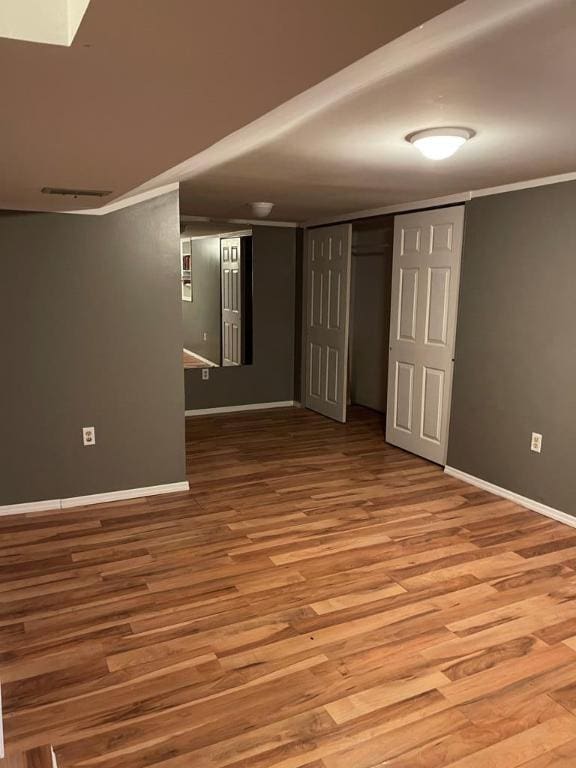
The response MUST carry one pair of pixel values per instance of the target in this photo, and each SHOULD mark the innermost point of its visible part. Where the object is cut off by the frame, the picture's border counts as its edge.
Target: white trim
(127, 202)
(529, 184)
(234, 408)
(31, 506)
(417, 205)
(94, 498)
(435, 202)
(132, 493)
(260, 222)
(203, 359)
(241, 233)
(524, 501)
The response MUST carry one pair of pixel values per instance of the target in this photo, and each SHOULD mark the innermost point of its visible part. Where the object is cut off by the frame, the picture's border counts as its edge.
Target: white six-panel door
(326, 316)
(425, 282)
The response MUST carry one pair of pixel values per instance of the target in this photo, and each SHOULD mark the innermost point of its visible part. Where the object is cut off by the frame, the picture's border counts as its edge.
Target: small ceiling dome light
(261, 210)
(440, 143)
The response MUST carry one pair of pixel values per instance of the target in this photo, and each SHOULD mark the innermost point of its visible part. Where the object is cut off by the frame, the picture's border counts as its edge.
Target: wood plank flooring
(318, 600)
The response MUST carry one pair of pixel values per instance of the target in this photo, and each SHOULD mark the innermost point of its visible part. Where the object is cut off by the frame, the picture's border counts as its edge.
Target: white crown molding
(237, 408)
(419, 205)
(453, 27)
(260, 222)
(436, 202)
(127, 202)
(524, 501)
(529, 184)
(94, 498)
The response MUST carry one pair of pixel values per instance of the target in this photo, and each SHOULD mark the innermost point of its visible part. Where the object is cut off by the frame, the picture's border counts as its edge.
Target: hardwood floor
(318, 600)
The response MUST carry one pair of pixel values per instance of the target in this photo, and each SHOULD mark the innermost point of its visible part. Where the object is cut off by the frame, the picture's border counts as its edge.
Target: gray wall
(271, 377)
(91, 335)
(515, 369)
(202, 315)
(370, 312)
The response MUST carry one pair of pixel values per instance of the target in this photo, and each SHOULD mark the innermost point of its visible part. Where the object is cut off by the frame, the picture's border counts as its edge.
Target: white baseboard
(209, 363)
(32, 506)
(234, 408)
(524, 501)
(94, 498)
(131, 493)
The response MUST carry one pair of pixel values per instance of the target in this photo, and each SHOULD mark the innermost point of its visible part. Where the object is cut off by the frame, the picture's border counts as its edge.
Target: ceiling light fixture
(440, 143)
(261, 210)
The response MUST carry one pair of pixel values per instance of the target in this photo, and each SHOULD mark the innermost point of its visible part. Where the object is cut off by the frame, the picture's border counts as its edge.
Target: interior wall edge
(524, 501)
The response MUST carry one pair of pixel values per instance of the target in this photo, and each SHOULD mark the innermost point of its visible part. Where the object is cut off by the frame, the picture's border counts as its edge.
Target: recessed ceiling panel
(42, 21)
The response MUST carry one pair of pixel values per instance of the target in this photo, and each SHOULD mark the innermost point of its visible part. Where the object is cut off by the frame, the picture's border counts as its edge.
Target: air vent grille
(76, 192)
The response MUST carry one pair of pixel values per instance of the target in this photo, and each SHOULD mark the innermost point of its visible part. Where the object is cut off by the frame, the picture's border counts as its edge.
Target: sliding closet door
(327, 311)
(425, 282)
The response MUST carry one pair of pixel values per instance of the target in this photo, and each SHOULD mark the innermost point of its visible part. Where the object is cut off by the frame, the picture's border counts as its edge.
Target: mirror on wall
(216, 285)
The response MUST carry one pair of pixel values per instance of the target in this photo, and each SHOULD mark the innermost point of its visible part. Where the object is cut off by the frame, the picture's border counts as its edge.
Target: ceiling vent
(76, 192)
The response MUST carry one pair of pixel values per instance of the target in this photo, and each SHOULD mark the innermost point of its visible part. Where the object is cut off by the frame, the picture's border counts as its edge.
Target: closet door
(326, 319)
(425, 282)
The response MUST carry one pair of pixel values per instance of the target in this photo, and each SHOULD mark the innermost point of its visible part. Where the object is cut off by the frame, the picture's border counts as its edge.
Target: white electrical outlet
(536, 443)
(205, 336)
(205, 374)
(89, 435)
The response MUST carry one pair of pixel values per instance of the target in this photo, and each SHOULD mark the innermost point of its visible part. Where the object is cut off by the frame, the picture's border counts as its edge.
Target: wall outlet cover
(536, 442)
(205, 374)
(89, 435)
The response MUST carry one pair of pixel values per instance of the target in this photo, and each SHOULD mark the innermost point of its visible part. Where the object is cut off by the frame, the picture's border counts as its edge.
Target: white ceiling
(512, 83)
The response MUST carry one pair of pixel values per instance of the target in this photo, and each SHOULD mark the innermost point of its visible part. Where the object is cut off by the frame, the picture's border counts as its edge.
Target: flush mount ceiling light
(261, 210)
(440, 143)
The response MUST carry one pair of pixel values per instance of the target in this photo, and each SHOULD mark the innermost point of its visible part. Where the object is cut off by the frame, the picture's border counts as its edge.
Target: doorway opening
(370, 297)
(381, 301)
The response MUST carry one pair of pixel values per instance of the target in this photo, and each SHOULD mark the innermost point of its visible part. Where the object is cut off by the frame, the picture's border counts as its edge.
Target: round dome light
(440, 143)
(261, 210)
